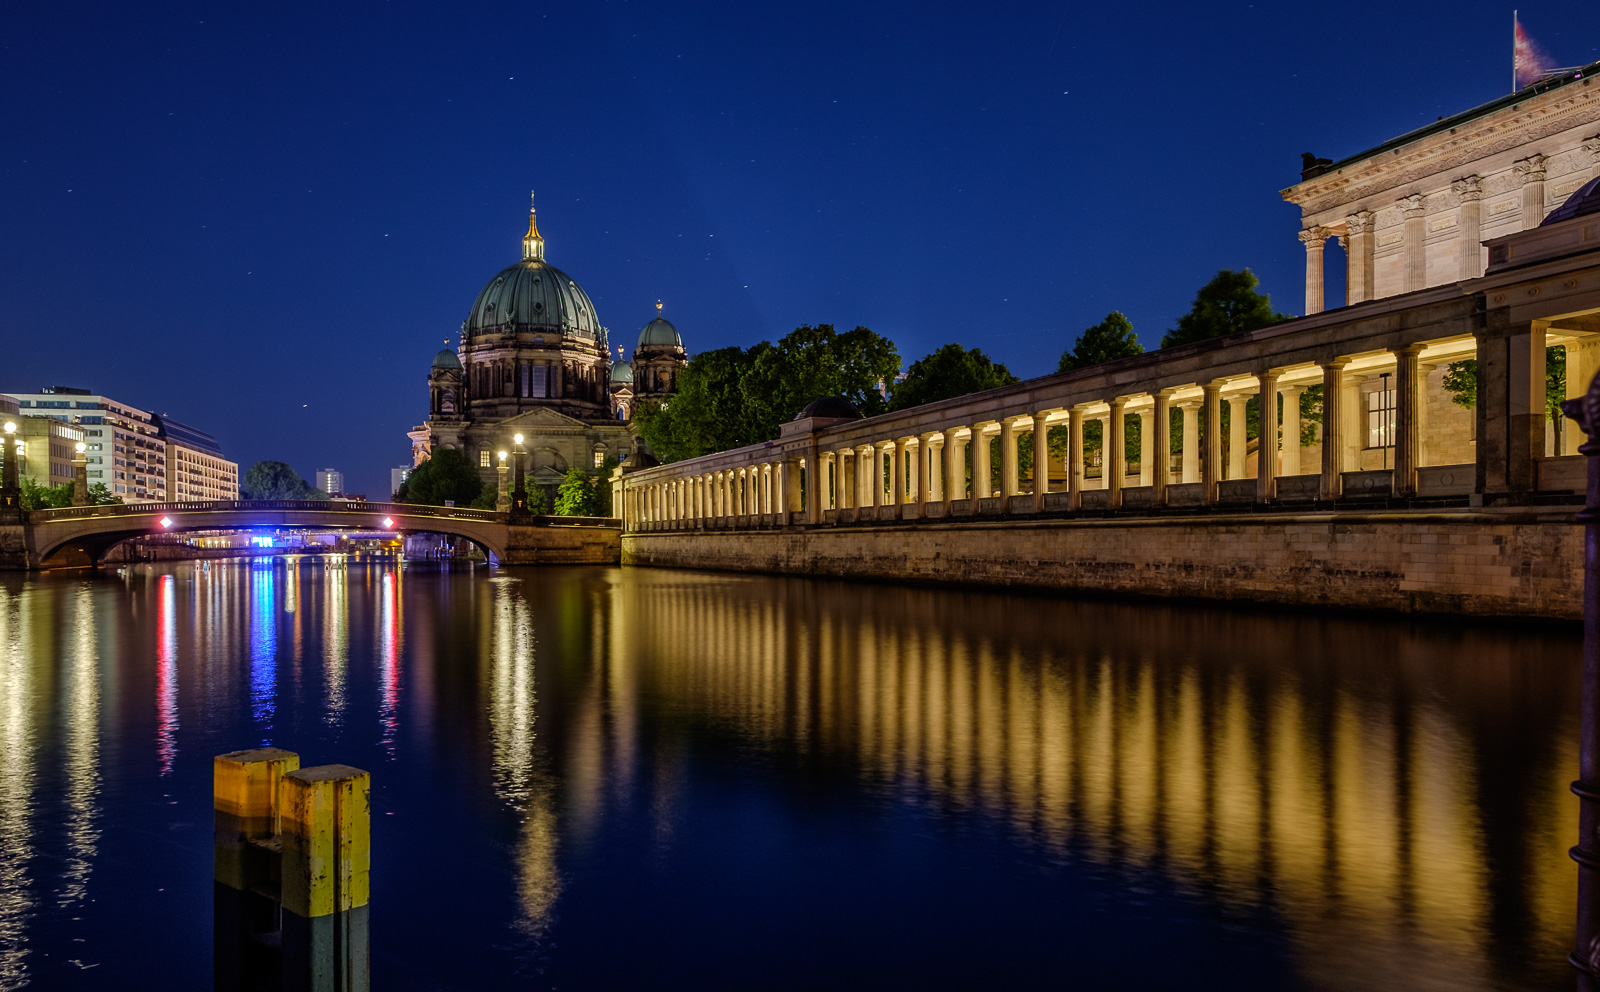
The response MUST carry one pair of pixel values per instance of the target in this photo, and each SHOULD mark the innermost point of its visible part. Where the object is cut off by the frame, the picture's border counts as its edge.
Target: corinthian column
(1358, 257)
(1470, 190)
(1531, 170)
(1413, 208)
(1315, 239)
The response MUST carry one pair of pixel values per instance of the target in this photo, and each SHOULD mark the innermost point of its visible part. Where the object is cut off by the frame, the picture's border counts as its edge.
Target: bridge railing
(239, 505)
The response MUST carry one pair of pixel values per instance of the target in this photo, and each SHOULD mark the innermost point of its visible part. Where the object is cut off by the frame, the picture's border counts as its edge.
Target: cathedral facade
(535, 360)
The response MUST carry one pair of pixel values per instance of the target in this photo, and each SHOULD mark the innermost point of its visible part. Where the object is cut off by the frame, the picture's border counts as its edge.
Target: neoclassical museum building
(535, 360)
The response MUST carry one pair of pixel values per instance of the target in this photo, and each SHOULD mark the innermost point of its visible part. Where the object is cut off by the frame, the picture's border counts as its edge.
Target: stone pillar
(1008, 457)
(1115, 456)
(80, 474)
(1041, 460)
(927, 471)
(1289, 460)
(1211, 451)
(1315, 240)
(1531, 171)
(955, 467)
(1146, 446)
(981, 488)
(1359, 269)
(794, 496)
(1408, 420)
(852, 487)
(869, 472)
(841, 492)
(1510, 408)
(502, 499)
(1470, 192)
(1075, 458)
(1161, 474)
(898, 476)
(1267, 440)
(1238, 443)
(1413, 208)
(1191, 441)
(936, 467)
(1105, 453)
(1583, 361)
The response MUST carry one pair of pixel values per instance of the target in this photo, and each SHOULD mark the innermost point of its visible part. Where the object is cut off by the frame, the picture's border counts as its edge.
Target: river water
(606, 778)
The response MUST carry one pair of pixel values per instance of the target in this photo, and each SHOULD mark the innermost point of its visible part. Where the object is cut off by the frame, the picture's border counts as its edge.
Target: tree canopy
(948, 372)
(736, 396)
(1226, 305)
(1110, 339)
(276, 480)
(445, 477)
(586, 494)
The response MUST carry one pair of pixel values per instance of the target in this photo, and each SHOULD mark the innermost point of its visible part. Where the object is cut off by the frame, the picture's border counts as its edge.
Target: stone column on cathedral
(1315, 240)
(1531, 172)
(1359, 267)
(1413, 208)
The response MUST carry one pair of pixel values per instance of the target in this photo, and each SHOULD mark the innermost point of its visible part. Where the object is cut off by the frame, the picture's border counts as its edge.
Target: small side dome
(830, 408)
(660, 333)
(621, 373)
(1585, 201)
(447, 359)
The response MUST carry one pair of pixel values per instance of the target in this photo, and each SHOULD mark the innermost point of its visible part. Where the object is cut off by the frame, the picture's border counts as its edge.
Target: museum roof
(1585, 201)
(1456, 120)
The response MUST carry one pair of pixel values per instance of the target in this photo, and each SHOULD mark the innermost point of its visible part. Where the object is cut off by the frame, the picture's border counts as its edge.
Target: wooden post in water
(245, 787)
(327, 855)
(1586, 954)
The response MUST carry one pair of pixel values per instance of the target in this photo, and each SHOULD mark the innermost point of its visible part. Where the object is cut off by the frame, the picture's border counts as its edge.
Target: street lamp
(80, 476)
(502, 501)
(10, 494)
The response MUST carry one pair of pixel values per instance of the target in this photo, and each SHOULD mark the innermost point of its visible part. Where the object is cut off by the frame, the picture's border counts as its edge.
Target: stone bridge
(80, 535)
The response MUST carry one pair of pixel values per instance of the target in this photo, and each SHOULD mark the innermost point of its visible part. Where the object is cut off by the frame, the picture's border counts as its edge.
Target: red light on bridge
(166, 521)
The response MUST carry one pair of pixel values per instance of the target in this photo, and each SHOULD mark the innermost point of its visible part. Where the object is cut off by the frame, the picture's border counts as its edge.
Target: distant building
(48, 447)
(397, 476)
(126, 447)
(330, 481)
(196, 469)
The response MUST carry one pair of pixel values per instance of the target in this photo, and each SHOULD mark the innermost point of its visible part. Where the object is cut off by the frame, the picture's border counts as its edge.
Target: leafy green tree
(732, 397)
(1461, 381)
(276, 480)
(1110, 339)
(37, 497)
(446, 477)
(100, 495)
(586, 494)
(946, 373)
(1226, 305)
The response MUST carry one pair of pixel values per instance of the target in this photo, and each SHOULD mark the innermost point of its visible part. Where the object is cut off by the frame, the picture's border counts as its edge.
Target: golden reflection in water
(18, 649)
(1259, 765)
(335, 641)
(166, 674)
(517, 778)
(80, 691)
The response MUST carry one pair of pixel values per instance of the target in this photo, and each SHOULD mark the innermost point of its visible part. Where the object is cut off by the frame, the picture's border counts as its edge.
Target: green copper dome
(660, 333)
(621, 372)
(446, 359)
(534, 296)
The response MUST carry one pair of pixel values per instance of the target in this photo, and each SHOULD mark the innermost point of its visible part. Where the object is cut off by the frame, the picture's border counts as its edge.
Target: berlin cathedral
(535, 360)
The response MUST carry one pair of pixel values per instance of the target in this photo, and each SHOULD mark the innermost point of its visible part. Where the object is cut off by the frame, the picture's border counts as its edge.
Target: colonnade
(761, 492)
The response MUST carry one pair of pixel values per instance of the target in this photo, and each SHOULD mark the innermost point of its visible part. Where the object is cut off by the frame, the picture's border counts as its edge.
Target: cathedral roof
(621, 372)
(446, 359)
(533, 295)
(660, 333)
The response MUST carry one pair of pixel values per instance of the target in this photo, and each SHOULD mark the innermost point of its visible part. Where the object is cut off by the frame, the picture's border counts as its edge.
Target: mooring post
(327, 855)
(246, 810)
(1586, 955)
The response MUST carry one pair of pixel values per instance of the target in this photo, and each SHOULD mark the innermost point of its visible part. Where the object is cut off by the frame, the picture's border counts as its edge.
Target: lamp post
(10, 489)
(502, 503)
(1586, 955)
(80, 475)
(519, 496)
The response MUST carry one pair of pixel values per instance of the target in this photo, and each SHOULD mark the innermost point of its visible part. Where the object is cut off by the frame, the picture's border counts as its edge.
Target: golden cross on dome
(658, 306)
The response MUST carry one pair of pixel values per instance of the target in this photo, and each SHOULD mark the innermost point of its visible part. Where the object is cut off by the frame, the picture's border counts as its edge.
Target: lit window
(483, 458)
(1380, 418)
(599, 458)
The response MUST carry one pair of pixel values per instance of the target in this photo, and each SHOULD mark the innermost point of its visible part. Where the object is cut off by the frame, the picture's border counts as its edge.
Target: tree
(1226, 305)
(1110, 339)
(445, 477)
(586, 494)
(37, 497)
(732, 397)
(946, 373)
(1461, 381)
(100, 495)
(276, 480)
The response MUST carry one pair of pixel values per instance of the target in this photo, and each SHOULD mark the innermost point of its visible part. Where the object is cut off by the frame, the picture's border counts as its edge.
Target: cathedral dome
(534, 296)
(447, 359)
(660, 333)
(621, 372)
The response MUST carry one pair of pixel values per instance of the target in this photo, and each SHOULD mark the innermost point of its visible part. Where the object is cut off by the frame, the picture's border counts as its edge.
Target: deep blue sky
(265, 219)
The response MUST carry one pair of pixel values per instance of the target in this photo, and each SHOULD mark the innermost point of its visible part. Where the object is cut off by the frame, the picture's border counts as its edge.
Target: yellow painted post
(327, 855)
(245, 801)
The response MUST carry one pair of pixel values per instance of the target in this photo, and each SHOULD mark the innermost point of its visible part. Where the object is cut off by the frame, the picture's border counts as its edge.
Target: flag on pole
(1528, 63)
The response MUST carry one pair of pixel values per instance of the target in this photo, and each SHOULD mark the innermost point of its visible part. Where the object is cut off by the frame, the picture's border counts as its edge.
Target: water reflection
(80, 727)
(335, 642)
(263, 648)
(18, 652)
(389, 660)
(166, 674)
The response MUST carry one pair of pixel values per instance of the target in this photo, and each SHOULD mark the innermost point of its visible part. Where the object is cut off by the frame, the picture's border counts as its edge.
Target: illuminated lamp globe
(502, 456)
(11, 428)
(81, 447)
(517, 439)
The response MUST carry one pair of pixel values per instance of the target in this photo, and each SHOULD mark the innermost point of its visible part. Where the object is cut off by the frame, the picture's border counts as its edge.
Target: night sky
(265, 219)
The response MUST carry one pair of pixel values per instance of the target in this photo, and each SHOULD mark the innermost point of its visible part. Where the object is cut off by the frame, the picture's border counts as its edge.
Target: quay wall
(1506, 563)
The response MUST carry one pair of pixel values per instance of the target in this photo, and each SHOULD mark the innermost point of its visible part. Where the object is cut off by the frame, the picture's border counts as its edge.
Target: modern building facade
(48, 447)
(397, 475)
(128, 447)
(1413, 213)
(331, 481)
(535, 360)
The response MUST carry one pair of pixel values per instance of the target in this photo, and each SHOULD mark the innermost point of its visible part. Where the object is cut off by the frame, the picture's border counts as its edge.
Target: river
(627, 778)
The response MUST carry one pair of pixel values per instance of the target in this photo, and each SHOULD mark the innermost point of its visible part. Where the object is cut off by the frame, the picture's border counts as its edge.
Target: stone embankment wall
(1517, 563)
(563, 546)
